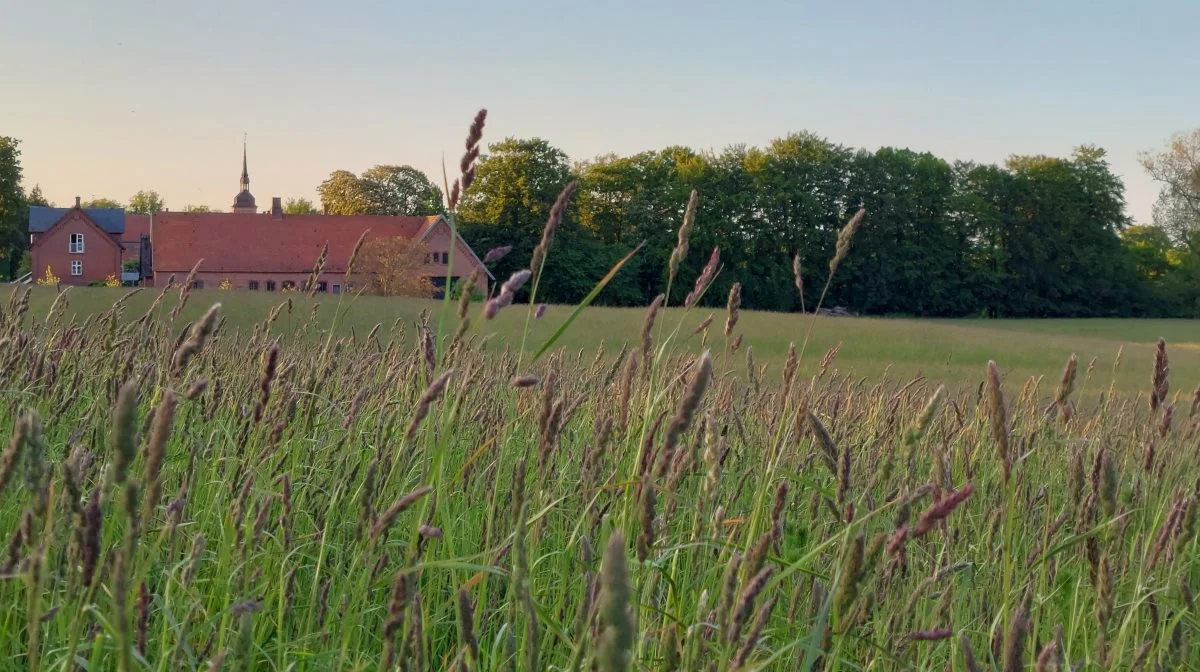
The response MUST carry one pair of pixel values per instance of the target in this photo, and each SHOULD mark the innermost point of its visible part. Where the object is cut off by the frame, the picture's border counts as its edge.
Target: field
(260, 486)
(953, 352)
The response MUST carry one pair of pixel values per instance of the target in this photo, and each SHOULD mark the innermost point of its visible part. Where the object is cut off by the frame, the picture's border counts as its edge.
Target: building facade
(241, 249)
(77, 245)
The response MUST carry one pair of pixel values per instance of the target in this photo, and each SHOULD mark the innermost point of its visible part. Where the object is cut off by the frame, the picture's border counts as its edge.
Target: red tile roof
(234, 243)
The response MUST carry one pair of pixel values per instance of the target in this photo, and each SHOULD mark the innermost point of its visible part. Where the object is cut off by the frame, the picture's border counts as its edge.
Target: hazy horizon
(134, 96)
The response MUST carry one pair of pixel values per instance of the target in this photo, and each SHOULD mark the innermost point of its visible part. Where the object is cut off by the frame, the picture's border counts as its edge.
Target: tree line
(1038, 236)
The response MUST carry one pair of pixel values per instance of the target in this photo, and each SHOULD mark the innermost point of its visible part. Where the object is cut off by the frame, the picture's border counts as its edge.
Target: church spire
(244, 202)
(245, 184)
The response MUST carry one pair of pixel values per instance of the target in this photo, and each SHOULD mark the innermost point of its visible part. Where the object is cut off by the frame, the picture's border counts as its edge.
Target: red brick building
(267, 251)
(79, 245)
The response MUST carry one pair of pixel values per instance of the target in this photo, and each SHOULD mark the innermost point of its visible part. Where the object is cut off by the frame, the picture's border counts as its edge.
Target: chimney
(77, 201)
(276, 207)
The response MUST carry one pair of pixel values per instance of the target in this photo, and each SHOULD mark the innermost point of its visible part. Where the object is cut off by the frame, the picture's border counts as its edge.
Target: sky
(116, 96)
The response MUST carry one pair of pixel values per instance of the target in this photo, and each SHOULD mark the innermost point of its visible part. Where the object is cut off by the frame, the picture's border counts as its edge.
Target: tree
(146, 202)
(382, 190)
(400, 190)
(298, 206)
(1152, 251)
(36, 197)
(1178, 169)
(342, 194)
(196, 208)
(13, 210)
(515, 185)
(102, 203)
(393, 266)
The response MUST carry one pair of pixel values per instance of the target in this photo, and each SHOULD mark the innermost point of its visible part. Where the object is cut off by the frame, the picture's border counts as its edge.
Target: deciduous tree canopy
(381, 190)
(145, 202)
(13, 240)
(1038, 236)
(393, 266)
(298, 206)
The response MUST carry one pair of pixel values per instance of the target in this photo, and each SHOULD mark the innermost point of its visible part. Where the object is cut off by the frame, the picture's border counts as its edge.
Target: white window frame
(76, 267)
(72, 247)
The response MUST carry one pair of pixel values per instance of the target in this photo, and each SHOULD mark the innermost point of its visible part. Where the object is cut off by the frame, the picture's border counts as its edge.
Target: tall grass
(185, 496)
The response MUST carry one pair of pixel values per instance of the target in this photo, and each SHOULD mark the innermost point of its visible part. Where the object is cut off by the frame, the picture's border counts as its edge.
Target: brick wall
(101, 255)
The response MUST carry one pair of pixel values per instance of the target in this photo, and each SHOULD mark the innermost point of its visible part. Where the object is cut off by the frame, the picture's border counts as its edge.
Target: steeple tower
(243, 203)
(245, 171)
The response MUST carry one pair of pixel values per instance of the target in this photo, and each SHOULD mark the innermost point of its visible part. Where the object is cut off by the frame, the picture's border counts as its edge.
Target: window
(198, 284)
(76, 245)
(288, 284)
(427, 259)
(322, 287)
(337, 289)
(77, 267)
(254, 285)
(270, 285)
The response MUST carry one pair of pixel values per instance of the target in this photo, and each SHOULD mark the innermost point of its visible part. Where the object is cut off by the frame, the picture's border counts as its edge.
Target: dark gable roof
(110, 220)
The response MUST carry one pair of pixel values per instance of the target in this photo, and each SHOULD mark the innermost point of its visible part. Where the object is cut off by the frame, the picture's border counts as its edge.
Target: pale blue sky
(111, 97)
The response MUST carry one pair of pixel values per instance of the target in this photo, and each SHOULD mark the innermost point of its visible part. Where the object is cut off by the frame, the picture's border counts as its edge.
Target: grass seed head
(998, 419)
(942, 508)
(156, 452)
(466, 625)
(845, 236)
(616, 620)
(496, 254)
(704, 279)
(648, 331)
(1013, 657)
(11, 460)
(681, 246)
(848, 578)
(732, 307)
(1066, 384)
(557, 211)
(388, 517)
(122, 435)
(431, 394)
(1159, 384)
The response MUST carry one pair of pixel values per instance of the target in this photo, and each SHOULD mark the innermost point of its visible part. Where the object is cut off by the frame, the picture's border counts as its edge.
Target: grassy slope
(952, 351)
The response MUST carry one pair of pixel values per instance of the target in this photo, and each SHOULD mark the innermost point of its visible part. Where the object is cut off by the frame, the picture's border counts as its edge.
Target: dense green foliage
(299, 206)
(1037, 237)
(145, 202)
(103, 202)
(380, 190)
(13, 238)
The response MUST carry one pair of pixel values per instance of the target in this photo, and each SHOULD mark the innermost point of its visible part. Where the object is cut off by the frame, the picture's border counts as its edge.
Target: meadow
(211, 480)
(951, 352)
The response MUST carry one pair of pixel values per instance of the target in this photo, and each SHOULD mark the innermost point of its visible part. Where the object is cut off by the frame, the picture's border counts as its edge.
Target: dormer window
(76, 245)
